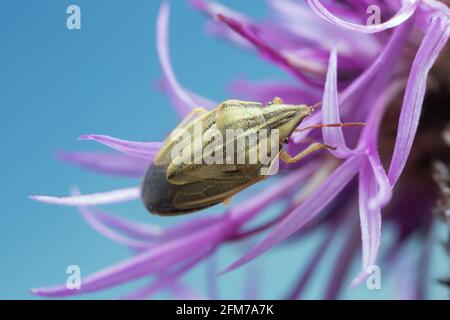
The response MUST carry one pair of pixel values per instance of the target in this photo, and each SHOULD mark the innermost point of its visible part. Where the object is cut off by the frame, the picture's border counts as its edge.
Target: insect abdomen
(158, 194)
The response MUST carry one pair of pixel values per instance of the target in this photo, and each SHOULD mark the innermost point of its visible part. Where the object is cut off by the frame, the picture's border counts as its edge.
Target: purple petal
(165, 279)
(108, 163)
(266, 50)
(157, 259)
(266, 91)
(298, 18)
(104, 230)
(369, 136)
(116, 196)
(247, 210)
(149, 289)
(370, 219)
(402, 15)
(190, 227)
(330, 111)
(183, 292)
(91, 218)
(433, 42)
(279, 38)
(385, 61)
(145, 150)
(305, 211)
(183, 100)
(134, 229)
(384, 193)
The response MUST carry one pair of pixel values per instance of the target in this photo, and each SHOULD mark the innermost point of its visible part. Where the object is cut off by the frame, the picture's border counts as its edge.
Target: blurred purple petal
(183, 100)
(149, 289)
(164, 280)
(266, 50)
(157, 259)
(103, 229)
(403, 14)
(269, 32)
(245, 211)
(298, 18)
(190, 227)
(134, 229)
(116, 196)
(384, 62)
(107, 162)
(109, 233)
(432, 44)
(145, 150)
(183, 292)
(305, 211)
(267, 90)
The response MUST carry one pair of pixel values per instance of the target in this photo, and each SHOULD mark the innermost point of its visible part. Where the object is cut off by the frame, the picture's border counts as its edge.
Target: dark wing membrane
(202, 194)
(161, 197)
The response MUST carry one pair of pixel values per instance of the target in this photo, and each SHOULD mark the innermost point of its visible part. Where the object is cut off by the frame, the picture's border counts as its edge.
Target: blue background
(57, 84)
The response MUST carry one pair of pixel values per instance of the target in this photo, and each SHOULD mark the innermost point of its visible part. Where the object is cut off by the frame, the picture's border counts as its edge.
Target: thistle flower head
(360, 69)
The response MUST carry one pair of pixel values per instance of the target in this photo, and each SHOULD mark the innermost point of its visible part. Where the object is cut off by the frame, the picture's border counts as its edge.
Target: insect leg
(286, 157)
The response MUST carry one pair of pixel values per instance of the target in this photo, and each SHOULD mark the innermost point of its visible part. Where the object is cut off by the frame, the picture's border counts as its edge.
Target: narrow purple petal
(183, 100)
(402, 15)
(190, 227)
(433, 42)
(385, 62)
(109, 233)
(298, 18)
(305, 211)
(107, 162)
(149, 289)
(245, 211)
(183, 292)
(132, 228)
(370, 219)
(369, 136)
(157, 259)
(384, 192)
(92, 219)
(267, 90)
(266, 51)
(330, 111)
(164, 280)
(268, 31)
(116, 196)
(145, 150)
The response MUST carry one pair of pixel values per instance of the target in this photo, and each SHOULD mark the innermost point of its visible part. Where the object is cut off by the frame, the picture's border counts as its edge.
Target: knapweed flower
(359, 71)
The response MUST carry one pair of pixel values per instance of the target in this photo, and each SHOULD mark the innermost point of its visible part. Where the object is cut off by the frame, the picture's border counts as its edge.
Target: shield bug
(175, 183)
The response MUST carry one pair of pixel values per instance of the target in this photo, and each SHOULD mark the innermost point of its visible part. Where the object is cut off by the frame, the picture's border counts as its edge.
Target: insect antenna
(316, 106)
(324, 125)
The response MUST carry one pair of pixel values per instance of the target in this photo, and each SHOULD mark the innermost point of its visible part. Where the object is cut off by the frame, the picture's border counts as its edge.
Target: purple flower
(375, 73)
